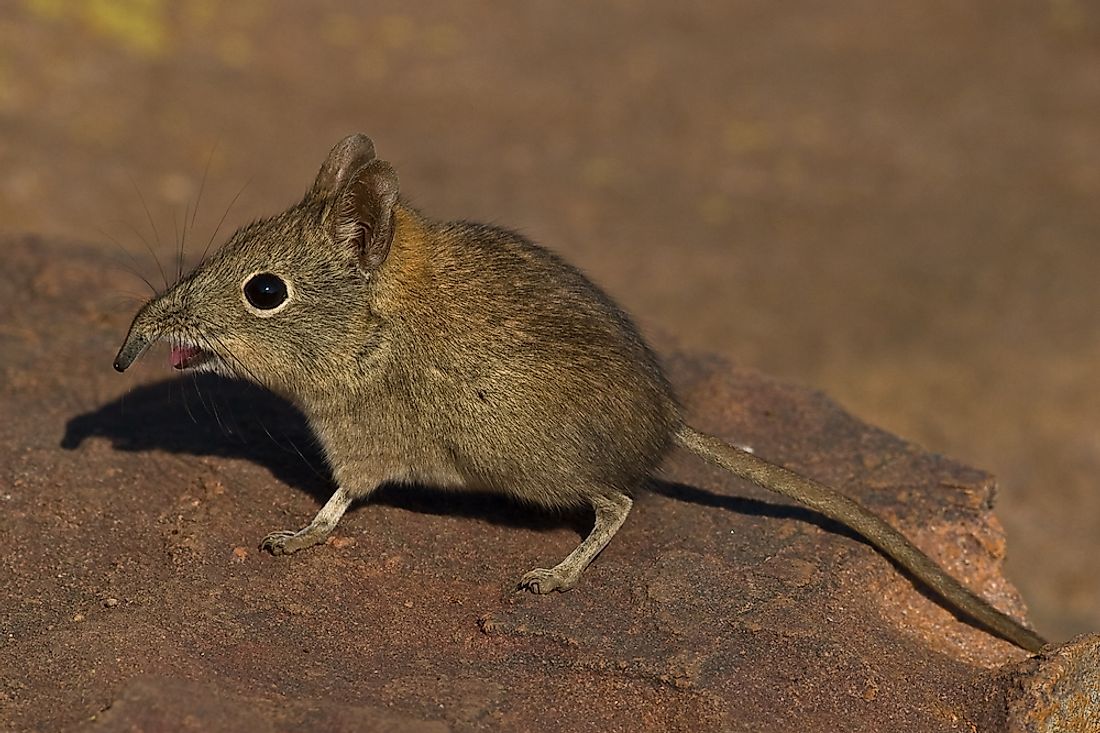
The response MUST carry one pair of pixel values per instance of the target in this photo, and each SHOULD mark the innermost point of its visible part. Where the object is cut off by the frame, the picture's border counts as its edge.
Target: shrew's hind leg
(611, 510)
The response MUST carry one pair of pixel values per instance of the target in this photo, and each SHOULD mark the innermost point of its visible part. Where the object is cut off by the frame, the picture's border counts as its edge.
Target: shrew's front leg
(356, 480)
(286, 541)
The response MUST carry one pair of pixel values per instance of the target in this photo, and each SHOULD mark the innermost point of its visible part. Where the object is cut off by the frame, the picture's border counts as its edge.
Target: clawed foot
(543, 581)
(286, 541)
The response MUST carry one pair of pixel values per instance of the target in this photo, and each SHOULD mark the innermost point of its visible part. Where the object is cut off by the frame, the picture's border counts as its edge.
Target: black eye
(265, 291)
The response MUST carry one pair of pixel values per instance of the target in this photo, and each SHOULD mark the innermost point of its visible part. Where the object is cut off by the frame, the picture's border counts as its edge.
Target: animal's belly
(436, 476)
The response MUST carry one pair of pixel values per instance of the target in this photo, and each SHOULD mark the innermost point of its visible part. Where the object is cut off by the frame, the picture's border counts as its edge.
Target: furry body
(458, 355)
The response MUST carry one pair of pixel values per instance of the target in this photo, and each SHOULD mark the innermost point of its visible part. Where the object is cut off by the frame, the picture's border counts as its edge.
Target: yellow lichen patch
(138, 25)
(46, 8)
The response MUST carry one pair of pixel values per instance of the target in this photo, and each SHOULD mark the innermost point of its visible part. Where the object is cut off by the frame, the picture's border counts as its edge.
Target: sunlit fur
(471, 357)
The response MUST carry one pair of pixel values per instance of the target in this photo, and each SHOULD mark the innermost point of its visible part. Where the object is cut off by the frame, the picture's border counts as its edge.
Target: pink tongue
(182, 355)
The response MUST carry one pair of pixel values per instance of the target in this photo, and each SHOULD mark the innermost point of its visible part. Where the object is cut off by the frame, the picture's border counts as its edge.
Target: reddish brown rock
(181, 706)
(718, 607)
(1057, 691)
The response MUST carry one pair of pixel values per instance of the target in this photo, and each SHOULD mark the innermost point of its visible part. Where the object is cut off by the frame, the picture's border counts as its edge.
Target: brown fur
(457, 355)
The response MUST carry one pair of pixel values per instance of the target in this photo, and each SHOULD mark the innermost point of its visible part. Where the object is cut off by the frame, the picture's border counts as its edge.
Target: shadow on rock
(206, 415)
(754, 507)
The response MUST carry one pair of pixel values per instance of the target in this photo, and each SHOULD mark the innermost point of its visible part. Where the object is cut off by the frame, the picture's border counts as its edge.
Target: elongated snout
(131, 349)
(139, 338)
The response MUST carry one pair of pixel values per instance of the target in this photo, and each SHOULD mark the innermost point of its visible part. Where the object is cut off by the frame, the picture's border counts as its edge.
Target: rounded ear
(362, 216)
(346, 157)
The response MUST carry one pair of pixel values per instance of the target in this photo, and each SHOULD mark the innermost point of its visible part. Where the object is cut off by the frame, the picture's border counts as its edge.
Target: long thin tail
(836, 506)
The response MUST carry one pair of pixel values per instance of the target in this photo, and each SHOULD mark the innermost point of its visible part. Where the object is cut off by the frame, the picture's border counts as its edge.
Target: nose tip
(135, 344)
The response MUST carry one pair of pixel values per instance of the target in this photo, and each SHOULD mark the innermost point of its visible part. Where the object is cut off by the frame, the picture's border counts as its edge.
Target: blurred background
(897, 203)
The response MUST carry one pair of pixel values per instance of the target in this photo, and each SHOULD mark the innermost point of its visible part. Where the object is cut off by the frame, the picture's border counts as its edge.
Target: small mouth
(185, 356)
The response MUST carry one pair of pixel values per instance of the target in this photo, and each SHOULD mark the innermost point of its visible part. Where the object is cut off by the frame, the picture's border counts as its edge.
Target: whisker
(186, 406)
(172, 342)
(202, 184)
(260, 422)
(136, 274)
(318, 474)
(222, 220)
(211, 409)
(182, 242)
(241, 364)
(148, 248)
(149, 216)
(122, 300)
(132, 270)
(217, 415)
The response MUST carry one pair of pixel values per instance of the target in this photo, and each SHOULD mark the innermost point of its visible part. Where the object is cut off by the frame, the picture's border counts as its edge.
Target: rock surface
(1057, 691)
(135, 599)
(895, 202)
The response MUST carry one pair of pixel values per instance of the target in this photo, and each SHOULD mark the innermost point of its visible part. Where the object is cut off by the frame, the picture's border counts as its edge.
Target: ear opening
(345, 158)
(362, 218)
